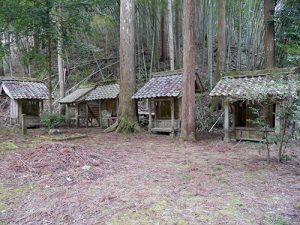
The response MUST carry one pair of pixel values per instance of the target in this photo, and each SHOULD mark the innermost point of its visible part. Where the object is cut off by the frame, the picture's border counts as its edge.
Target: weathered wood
(77, 115)
(87, 114)
(67, 114)
(150, 115)
(100, 113)
(172, 116)
(226, 121)
(23, 124)
(277, 119)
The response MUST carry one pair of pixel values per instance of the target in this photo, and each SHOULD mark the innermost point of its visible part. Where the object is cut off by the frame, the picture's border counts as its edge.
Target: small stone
(296, 186)
(69, 179)
(55, 132)
(86, 167)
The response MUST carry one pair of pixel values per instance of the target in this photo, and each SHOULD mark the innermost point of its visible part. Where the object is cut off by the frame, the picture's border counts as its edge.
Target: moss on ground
(8, 194)
(8, 146)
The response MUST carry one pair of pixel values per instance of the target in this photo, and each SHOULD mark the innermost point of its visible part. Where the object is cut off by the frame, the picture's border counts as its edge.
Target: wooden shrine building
(92, 105)
(26, 97)
(254, 96)
(163, 94)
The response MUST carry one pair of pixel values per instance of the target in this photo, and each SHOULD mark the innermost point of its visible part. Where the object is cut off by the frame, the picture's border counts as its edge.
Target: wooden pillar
(150, 115)
(77, 115)
(172, 116)
(87, 114)
(226, 121)
(67, 114)
(24, 124)
(277, 119)
(100, 114)
(233, 118)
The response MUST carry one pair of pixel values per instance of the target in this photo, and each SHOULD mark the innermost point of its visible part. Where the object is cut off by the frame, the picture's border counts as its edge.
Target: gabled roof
(169, 85)
(16, 89)
(257, 86)
(110, 91)
(76, 95)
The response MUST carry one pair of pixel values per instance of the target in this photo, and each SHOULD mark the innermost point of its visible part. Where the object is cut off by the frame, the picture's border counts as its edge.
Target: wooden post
(233, 119)
(150, 115)
(23, 124)
(87, 114)
(77, 115)
(172, 116)
(100, 114)
(226, 121)
(67, 114)
(277, 119)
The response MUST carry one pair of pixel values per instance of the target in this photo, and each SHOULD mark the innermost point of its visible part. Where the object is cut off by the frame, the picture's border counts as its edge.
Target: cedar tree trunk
(220, 39)
(171, 35)
(127, 113)
(269, 43)
(189, 63)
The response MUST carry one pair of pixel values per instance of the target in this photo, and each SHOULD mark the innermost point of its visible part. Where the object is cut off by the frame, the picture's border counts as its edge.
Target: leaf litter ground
(144, 179)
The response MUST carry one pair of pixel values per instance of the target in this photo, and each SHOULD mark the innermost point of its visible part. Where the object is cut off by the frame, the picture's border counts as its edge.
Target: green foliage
(52, 120)
(279, 221)
(288, 34)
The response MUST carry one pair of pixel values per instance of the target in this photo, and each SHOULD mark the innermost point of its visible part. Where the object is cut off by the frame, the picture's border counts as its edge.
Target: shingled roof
(110, 91)
(24, 89)
(258, 86)
(76, 95)
(161, 86)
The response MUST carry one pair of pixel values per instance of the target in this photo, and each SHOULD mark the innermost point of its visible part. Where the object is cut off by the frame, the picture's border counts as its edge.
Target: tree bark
(269, 42)
(189, 64)
(163, 33)
(61, 77)
(220, 60)
(171, 35)
(49, 74)
(210, 45)
(177, 32)
(127, 113)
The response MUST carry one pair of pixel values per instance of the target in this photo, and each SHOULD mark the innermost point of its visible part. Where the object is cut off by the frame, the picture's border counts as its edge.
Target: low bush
(52, 120)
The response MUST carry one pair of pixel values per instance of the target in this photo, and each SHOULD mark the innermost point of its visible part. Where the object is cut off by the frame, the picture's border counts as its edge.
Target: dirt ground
(143, 179)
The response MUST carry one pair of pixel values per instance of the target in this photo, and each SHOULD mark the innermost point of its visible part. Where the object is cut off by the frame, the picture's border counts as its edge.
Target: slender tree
(127, 114)
(269, 38)
(220, 60)
(171, 35)
(189, 64)
(60, 58)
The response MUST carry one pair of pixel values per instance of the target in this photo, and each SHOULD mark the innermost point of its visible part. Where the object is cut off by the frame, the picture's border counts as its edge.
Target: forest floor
(143, 179)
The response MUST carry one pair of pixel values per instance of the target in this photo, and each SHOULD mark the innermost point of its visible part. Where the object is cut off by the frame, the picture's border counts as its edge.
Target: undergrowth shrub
(52, 120)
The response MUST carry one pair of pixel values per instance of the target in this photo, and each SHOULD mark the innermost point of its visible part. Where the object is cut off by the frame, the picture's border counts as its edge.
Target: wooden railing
(165, 124)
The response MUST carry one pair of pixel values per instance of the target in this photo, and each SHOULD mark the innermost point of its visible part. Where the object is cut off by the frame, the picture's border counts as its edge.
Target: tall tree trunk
(220, 60)
(127, 107)
(177, 32)
(1, 68)
(210, 44)
(239, 47)
(49, 74)
(269, 43)
(163, 33)
(189, 65)
(171, 35)
(61, 78)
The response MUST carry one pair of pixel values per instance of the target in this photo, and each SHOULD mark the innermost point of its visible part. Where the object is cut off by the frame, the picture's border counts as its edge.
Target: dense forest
(82, 37)
(72, 43)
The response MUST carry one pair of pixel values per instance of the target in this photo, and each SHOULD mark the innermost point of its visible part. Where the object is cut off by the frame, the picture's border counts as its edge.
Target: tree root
(123, 126)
